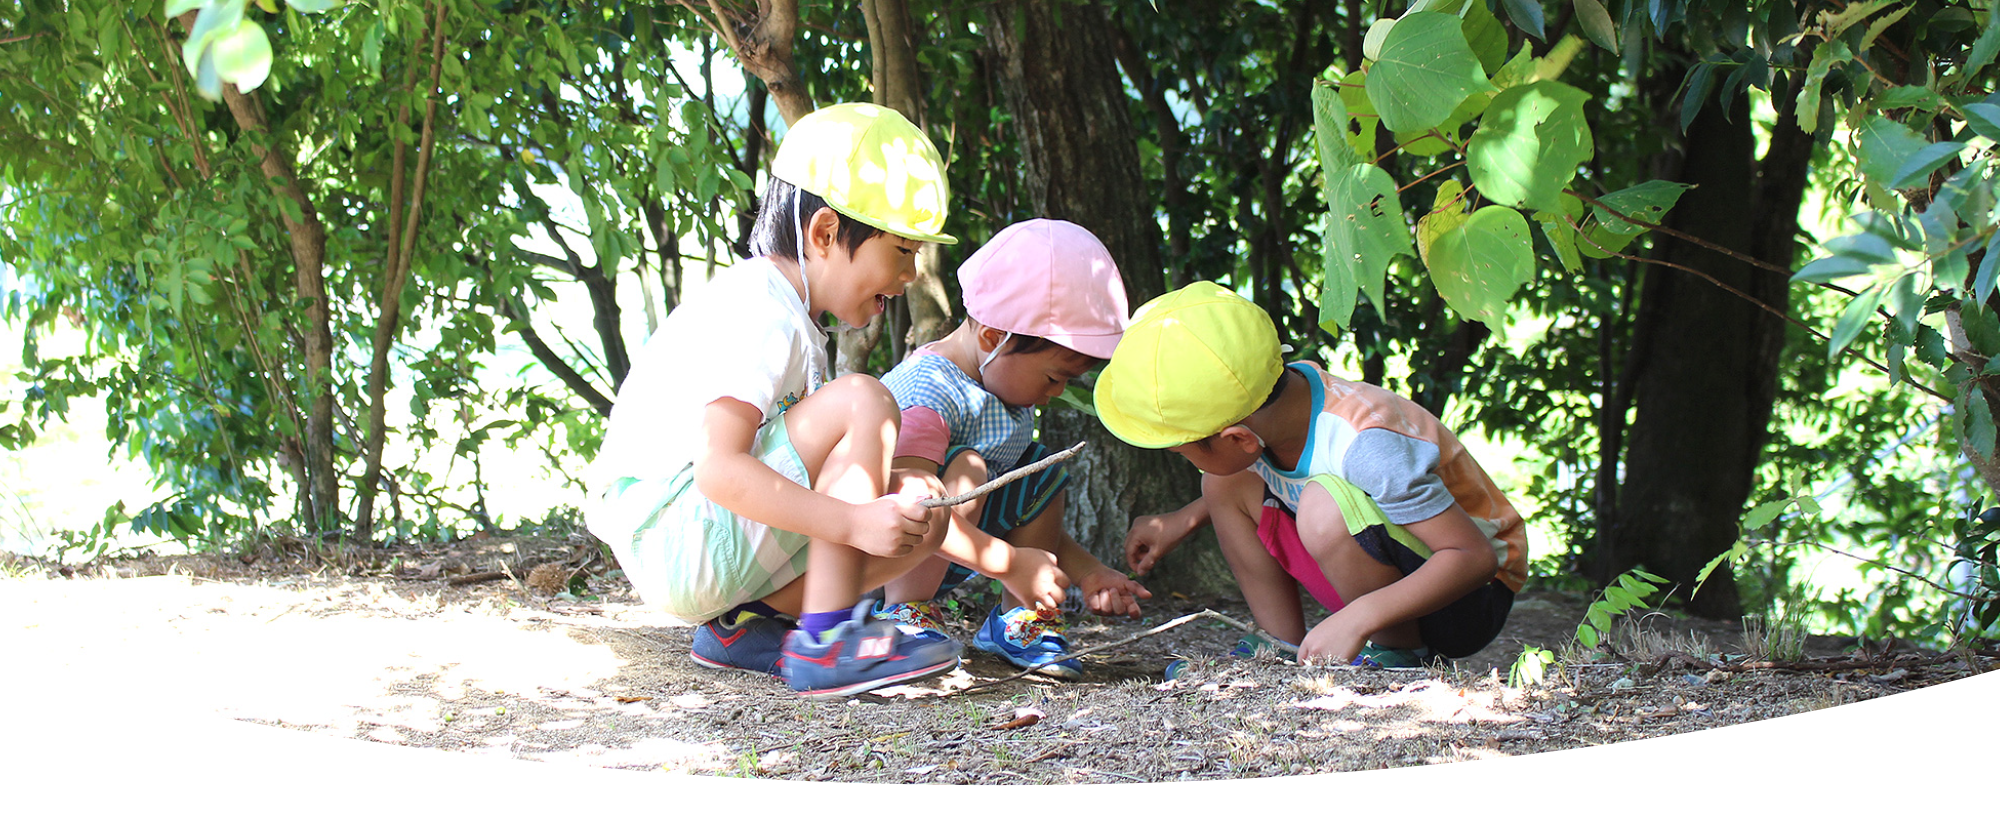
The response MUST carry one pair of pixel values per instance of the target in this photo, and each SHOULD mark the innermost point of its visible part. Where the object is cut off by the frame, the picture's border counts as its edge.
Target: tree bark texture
(1705, 365)
(1056, 72)
(308, 251)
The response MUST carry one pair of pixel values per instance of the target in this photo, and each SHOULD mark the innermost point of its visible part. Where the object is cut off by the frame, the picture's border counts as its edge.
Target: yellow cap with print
(1192, 362)
(872, 164)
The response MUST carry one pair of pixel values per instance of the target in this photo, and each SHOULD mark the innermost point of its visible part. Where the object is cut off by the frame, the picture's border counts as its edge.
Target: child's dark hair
(1021, 344)
(1277, 389)
(776, 234)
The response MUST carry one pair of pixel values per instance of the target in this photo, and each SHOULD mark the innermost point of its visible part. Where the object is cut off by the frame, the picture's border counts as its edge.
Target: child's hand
(1108, 592)
(1034, 578)
(1332, 641)
(1151, 538)
(890, 526)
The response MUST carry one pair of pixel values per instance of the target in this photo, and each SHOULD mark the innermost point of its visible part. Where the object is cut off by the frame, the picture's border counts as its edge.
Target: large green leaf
(243, 56)
(1885, 145)
(1447, 214)
(1486, 35)
(1479, 264)
(1647, 201)
(1529, 143)
(1984, 119)
(1364, 230)
(1425, 71)
(1330, 130)
(1918, 168)
(1854, 319)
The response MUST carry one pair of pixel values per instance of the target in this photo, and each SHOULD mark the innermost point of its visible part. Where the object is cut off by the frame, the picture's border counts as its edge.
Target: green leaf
(313, 6)
(1598, 617)
(1732, 555)
(1825, 57)
(1982, 282)
(1881, 24)
(1562, 238)
(1885, 145)
(1527, 16)
(176, 8)
(1330, 130)
(1976, 426)
(1597, 24)
(1764, 513)
(1866, 247)
(1529, 143)
(1981, 328)
(213, 21)
(1853, 319)
(1338, 284)
(1486, 35)
(1984, 119)
(243, 56)
(1846, 18)
(1919, 166)
(1425, 71)
(1447, 214)
(1479, 265)
(1621, 599)
(1909, 96)
(1586, 636)
(1983, 50)
(1365, 228)
(1699, 82)
(1647, 201)
(371, 46)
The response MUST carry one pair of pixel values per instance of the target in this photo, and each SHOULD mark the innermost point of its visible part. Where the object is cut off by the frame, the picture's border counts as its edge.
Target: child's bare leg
(1235, 503)
(844, 433)
(1351, 570)
(962, 474)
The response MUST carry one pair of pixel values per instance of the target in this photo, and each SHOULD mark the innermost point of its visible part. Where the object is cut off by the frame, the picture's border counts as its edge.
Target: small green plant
(1775, 639)
(1625, 594)
(1531, 667)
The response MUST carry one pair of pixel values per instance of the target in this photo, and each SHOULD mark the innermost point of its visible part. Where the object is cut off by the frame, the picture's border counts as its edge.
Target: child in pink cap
(1045, 305)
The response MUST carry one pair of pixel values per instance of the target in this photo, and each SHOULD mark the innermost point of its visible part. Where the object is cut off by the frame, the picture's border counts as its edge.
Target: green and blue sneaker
(1026, 639)
(1375, 656)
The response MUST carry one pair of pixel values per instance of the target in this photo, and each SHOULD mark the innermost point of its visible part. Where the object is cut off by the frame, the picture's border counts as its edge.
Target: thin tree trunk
(402, 246)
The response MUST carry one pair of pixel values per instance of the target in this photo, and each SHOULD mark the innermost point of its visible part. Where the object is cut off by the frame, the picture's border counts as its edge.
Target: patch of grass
(1774, 639)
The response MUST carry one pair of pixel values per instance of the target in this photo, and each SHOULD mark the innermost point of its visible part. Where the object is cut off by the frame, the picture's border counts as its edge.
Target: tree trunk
(1705, 364)
(1056, 72)
(321, 496)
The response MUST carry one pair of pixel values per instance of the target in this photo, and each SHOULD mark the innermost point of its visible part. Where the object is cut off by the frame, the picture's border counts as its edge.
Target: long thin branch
(1904, 572)
(1177, 622)
(1741, 295)
(1010, 477)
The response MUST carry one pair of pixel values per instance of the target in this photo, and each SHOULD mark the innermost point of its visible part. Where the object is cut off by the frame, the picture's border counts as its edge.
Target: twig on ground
(474, 578)
(1180, 621)
(1010, 477)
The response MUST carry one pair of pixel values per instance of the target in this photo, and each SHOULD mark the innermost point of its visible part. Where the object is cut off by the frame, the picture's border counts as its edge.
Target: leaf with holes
(1364, 230)
(1647, 202)
(1426, 69)
(1478, 265)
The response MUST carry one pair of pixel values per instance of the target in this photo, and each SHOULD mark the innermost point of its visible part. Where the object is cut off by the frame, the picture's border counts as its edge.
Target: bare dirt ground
(406, 647)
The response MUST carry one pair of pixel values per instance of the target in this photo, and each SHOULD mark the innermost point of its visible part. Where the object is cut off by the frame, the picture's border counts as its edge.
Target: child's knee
(866, 400)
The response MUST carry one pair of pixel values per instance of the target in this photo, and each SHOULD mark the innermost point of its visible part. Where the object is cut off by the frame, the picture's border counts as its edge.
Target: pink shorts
(1280, 534)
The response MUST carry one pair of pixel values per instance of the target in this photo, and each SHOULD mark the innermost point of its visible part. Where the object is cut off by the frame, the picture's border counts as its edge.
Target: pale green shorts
(691, 556)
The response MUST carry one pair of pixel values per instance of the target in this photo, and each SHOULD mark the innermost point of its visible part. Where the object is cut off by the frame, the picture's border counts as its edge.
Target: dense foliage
(271, 217)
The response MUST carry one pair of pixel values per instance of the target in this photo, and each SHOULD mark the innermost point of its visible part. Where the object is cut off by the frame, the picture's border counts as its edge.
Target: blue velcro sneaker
(864, 653)
(1382, 657)
(1026, 639)
(752, 644)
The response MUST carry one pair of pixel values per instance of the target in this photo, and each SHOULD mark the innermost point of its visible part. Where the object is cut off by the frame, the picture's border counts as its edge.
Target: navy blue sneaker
(1026, 639)
(864, 653)
(751, 644)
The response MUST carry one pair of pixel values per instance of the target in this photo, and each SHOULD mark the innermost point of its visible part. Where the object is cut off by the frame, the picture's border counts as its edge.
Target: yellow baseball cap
(872, 164)
(1192, 362)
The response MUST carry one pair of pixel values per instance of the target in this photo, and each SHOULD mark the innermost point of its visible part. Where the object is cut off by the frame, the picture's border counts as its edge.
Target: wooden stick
(1010, 477)
(1180, 621)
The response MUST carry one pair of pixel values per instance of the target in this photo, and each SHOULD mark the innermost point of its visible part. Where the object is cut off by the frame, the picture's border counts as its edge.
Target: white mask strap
(799, 232)
(989, 357)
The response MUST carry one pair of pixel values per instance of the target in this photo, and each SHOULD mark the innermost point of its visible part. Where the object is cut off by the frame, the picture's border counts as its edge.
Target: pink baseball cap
(1047, 278)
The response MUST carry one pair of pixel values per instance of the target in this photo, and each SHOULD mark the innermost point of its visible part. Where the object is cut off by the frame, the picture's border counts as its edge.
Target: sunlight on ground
(179, 644)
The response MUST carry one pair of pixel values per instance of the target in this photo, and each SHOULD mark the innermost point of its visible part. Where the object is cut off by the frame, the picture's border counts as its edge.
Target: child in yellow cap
(738, 487)
(1044, 304)
(1354, 493)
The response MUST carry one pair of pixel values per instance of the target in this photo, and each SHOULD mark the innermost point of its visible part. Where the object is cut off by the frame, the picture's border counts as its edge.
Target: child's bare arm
(1462, 559)
(1032, 575)
(1153, 536)
(726, 473)
(1105, 590)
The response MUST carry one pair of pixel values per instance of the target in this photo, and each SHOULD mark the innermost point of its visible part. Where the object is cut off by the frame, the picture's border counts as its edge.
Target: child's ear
(1241, 438)
(990, 338)
(823, 231)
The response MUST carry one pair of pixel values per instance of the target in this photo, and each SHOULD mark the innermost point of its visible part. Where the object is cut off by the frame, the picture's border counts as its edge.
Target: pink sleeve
(923, 435)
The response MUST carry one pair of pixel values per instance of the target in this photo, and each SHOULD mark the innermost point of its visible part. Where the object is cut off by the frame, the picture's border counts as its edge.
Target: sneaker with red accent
(864, 653)
(751, 644)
